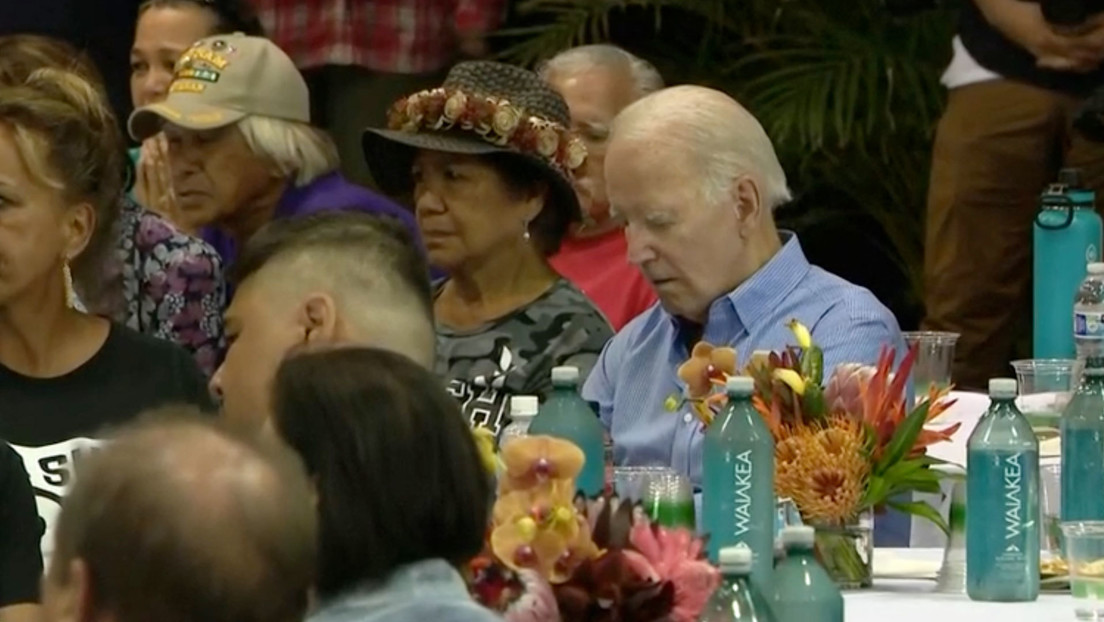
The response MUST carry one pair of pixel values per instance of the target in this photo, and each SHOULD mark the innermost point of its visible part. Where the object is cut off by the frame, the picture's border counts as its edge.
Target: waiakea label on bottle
(1013, 503)
(742, 469)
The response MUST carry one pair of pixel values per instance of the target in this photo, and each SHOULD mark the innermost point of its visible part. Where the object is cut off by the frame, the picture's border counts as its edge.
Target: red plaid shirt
(397, 36)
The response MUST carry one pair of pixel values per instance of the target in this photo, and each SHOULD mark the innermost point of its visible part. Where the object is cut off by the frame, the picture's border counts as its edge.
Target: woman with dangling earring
(65, 375)
(490, 160)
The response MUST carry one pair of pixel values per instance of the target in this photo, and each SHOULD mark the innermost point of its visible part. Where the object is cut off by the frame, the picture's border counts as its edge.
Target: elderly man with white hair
(597, 82)
(242, 150)
(696, 179)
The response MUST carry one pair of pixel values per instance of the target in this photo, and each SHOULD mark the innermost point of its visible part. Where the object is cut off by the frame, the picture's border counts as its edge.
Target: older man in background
(178, 521)
(333, 277)
(696, 179)
(597, 82)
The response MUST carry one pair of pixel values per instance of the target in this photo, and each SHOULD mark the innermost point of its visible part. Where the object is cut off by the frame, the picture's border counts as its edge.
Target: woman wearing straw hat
(489, 159)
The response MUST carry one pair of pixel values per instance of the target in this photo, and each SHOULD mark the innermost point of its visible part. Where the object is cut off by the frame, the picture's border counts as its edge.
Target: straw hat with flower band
(483, 107)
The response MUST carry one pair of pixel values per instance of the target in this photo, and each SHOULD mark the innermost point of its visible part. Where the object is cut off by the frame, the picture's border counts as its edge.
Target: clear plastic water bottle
(738, 481)
(1002, 497)
(565, 414)
(801, 590)
(736, 600)
(522, 410)
(1088, 314)
(1082, 425)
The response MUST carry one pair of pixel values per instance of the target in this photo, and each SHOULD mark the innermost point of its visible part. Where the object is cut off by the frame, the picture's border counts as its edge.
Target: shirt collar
(295, 195)
(764, 289)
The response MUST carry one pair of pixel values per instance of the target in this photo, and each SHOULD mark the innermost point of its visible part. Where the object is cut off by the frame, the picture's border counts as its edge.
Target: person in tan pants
(1006, 132)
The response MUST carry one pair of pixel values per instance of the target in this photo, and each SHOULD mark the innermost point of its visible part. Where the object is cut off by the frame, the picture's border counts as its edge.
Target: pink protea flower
(844, 392)
(676, 556)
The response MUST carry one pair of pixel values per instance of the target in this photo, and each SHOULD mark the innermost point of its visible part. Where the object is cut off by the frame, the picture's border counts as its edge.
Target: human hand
(153, 188)
(1081, 51)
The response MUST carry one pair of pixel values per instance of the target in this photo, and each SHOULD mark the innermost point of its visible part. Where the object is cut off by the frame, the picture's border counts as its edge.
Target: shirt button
(688, 417)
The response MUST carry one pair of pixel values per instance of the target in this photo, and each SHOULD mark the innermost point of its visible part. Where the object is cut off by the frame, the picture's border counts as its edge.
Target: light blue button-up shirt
(637, 369)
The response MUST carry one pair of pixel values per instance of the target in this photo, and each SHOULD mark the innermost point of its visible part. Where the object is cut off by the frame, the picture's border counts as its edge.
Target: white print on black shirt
(483, 401)
(51, 469)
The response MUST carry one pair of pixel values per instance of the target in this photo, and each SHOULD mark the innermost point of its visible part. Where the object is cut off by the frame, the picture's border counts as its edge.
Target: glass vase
(846, 551)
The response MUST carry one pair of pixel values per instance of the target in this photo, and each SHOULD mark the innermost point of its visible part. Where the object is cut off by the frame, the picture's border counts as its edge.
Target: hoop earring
(70, 292)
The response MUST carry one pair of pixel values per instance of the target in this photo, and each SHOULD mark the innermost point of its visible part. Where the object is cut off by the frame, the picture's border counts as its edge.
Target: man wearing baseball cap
(242, 150)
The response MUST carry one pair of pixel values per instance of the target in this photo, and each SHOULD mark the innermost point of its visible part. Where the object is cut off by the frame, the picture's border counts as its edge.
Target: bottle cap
(741, 386)
(1002, 388)
(1070, 177)
(1095, 268)
(735, 558)
(522, 406)
(798, 537)
(565, 374)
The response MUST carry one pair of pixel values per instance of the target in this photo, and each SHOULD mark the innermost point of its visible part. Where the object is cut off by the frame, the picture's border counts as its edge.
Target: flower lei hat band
(497, 121)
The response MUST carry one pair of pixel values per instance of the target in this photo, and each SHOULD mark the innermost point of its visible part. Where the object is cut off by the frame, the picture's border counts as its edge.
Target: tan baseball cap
(221, 80)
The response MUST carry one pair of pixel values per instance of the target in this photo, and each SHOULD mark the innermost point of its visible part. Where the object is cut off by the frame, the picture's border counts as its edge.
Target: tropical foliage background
(848, 90)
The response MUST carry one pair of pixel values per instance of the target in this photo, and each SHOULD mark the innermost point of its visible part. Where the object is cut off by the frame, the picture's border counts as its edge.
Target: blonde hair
(299, 151)
(70, 141)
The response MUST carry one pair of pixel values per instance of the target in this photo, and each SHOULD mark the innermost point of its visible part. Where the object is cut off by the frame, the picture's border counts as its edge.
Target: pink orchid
(537, 603)
(676, 556)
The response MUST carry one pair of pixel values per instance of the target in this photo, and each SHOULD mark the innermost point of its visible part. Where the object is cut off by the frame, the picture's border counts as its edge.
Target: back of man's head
(370, 266)
(721, 137)
(175, 520)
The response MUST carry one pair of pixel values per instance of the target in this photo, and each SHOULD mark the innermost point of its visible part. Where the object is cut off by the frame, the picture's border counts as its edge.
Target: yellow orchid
(801, 334)
(792, 379)
(485, 443)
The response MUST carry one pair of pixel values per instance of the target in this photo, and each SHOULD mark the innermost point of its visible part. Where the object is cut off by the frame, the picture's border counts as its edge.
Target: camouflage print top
(515, 354)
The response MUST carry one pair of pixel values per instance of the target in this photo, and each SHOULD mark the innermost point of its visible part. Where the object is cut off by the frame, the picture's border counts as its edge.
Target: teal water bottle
(738, 481)
(1082, 423)
(801, 590)
(1002, 502)
(1067, 237)
(735, 600)
(565, 414)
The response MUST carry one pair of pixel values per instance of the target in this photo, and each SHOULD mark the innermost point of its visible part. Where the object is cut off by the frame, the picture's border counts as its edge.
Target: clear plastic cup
(1085, 556)
(1045, 387)
(934, 359)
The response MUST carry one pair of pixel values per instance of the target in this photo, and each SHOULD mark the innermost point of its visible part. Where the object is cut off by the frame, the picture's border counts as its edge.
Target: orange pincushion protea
(824, 470)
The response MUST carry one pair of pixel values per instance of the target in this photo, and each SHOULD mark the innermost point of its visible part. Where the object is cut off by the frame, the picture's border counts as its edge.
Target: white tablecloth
(915, 601)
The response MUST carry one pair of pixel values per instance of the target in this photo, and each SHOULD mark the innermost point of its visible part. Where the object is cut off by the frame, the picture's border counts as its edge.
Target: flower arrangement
(552, 555)
(497, 121)
(843, 449)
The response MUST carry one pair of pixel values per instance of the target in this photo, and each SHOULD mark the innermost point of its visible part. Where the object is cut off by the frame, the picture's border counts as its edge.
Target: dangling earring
(525, 236)
(70, 292)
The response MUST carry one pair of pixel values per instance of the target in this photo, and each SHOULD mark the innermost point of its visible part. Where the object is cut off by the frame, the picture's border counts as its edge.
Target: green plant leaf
(904, 437)
(923, 510)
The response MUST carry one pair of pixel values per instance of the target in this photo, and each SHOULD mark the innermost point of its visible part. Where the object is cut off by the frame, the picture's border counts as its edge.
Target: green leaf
(923, 510)
(904, 437)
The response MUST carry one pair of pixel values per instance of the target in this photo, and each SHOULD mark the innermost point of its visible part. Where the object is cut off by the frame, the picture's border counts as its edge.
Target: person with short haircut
(176, 520)
(242, 149)
(160, 281)
(20, 557)
(491, 158)
(597, 82)
(696, 178)
(66, 374)
(403, 498)
(341, 276)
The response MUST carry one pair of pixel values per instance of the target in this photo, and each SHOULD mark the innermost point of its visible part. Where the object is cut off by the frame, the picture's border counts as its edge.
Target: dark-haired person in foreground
(339, 276)
(20, 530)
(176, 520)
(391, 531)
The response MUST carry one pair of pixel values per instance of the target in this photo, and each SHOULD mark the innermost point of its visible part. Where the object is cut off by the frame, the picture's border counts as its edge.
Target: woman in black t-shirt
(65, 375)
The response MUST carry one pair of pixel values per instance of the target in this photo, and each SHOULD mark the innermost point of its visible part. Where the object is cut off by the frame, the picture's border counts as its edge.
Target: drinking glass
(1085, 552)
(669, 501)
(1045, 387)
(934, 357)
(632, 483)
